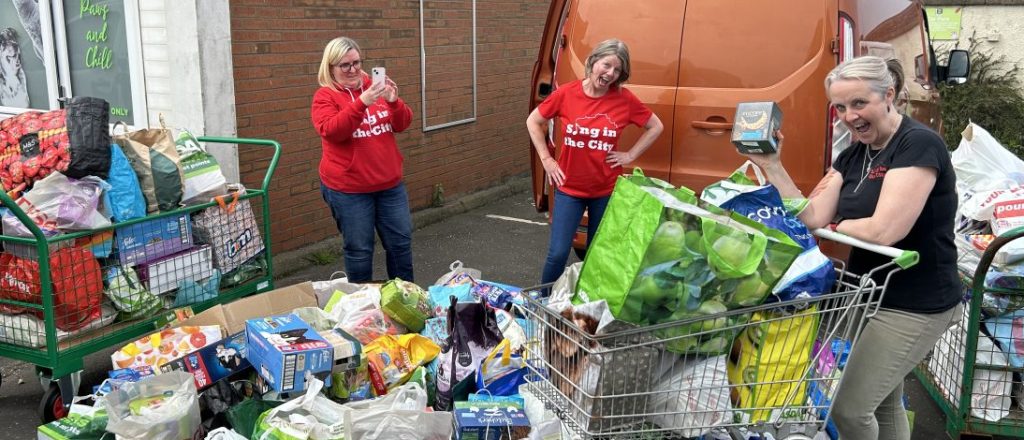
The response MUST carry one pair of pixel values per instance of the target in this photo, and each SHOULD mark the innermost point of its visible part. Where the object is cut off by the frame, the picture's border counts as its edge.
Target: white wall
(186, 55)
(996, 29)
(155, 61)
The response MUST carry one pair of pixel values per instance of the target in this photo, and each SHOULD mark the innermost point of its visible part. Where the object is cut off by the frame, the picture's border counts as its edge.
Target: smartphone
(378, 75)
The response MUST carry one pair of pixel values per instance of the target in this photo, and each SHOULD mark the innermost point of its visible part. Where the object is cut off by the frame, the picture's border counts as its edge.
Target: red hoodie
(360, 154)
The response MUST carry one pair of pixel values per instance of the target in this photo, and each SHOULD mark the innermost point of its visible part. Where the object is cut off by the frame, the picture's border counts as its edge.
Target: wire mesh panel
(994, 363)
(771, 368)
(75, 290)
(102, 281)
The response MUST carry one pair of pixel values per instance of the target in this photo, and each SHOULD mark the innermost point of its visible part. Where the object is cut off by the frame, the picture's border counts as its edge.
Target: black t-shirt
(932, 285)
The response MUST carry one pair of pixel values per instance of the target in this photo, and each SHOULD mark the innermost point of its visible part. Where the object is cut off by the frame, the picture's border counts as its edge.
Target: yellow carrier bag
(772, 351)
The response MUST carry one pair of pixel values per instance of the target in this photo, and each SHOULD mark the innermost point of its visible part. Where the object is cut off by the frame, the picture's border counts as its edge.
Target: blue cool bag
(124, 198)
(812, 274)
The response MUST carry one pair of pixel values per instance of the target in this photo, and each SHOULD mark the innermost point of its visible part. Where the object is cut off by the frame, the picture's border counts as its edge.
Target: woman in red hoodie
(361, 168)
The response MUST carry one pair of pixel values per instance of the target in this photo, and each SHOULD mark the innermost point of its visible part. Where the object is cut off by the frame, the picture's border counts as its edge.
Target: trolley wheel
(51, 407)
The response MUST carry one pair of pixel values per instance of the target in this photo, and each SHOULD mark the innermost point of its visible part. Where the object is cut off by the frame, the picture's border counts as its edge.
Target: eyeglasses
(346, 67)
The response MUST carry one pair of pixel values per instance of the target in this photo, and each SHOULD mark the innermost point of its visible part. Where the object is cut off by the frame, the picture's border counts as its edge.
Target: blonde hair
(873, 70)
(610, 47)
(335, 49)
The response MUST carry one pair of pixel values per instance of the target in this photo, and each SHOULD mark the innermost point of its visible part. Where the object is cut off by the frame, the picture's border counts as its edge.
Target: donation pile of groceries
(70, 175)
(322, 360)
(990, 187)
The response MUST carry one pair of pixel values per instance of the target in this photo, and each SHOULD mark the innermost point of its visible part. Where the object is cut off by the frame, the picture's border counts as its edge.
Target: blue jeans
(358, 215)
(565, 219)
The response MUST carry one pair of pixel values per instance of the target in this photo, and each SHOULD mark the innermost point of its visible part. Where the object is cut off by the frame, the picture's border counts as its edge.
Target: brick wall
(277, 46)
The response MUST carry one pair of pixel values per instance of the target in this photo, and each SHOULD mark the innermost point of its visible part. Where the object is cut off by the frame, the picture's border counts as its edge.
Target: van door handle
(708, 125)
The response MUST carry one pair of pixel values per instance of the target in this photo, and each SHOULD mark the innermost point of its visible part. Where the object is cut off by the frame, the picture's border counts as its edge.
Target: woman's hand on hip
(555, 175)
(619, 158)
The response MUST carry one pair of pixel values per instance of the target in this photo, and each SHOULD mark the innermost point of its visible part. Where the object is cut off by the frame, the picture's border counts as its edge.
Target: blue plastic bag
(1008, 331)
(440, 297)
(124, 198)
(192, 292)
(501, 372)
(812, 274)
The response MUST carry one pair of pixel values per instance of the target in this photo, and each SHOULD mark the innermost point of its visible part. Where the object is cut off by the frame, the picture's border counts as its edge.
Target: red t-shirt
(591, 127)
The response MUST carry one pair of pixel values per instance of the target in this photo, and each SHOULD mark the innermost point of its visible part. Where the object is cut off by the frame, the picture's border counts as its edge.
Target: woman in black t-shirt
(893, 186)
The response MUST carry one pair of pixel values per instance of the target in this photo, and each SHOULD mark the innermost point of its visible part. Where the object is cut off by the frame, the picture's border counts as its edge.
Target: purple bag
(58, 203)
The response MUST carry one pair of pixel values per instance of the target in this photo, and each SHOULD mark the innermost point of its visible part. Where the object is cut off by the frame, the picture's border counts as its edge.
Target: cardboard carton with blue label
(283, 349)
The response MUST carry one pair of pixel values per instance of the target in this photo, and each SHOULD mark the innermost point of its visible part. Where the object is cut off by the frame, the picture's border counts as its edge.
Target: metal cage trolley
(974, 372)
(771, 368)
(66, 296)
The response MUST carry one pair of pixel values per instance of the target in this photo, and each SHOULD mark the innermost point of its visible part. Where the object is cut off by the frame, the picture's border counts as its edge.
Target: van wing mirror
(957, 69)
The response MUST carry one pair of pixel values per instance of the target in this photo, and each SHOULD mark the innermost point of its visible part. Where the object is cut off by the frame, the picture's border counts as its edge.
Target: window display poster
(22, 71)
(98, 54)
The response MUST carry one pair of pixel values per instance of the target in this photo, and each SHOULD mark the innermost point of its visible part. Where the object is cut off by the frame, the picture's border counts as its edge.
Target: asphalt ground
(498, 232)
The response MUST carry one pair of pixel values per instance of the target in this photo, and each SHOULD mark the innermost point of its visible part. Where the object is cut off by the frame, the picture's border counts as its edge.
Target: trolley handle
(902, 258)
(271, 167)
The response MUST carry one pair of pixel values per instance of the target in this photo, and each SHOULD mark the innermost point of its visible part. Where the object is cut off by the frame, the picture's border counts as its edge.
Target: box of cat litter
(284, 350)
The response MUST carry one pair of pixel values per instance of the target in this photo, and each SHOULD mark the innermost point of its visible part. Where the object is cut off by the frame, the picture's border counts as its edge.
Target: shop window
(53, 49)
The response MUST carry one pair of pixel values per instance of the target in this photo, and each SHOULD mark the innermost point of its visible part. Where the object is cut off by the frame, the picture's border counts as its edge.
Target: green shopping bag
(658, 257)
(243, 416)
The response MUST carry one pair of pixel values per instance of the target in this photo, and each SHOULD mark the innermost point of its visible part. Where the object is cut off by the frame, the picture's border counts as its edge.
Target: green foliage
(437, 199)
(991, 98)
(322, 257)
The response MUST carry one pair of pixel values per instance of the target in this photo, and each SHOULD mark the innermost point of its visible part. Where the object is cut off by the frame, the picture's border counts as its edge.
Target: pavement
(497, 231)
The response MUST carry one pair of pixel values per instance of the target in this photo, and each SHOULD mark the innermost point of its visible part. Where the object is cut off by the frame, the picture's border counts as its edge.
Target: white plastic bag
(161, 407)
(359, 315)
(455, 269)
(338, 281)
(981, 163)
(224, 434)
(564, 287)
(692, 397)
(990, 395)
(28, 331)
(203, 177)
(398, 415)
(311, 416)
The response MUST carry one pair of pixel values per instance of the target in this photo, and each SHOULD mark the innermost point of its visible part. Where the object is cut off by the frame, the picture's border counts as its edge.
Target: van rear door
(735, 51)
(652, 30)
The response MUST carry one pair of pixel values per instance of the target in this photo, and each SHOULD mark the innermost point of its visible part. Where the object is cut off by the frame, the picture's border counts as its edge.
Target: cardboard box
(490, 423)
(284, 349)
(346, 349)
(164, 275)
(231, 317)
(213, 362)
(149, 240)
(753, 130)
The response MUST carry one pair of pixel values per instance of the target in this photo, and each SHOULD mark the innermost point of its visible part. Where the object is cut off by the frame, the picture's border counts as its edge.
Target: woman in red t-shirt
(592, 114)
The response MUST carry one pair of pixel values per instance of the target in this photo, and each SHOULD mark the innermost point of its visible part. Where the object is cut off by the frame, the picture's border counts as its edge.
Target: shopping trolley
(674, 380)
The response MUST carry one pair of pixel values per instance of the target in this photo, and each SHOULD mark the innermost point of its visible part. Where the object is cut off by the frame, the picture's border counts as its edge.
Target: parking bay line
(513, 219)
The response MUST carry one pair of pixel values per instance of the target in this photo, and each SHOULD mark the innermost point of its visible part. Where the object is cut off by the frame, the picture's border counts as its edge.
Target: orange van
(694, 60)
